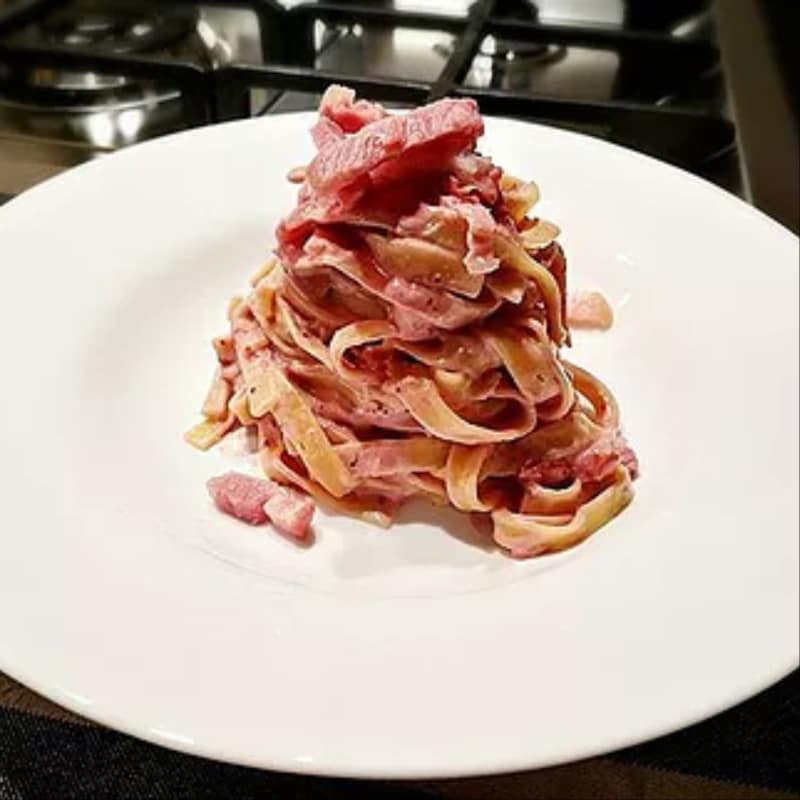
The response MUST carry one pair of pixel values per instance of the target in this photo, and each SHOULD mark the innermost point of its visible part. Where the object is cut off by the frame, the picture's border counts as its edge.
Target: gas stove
(82, 77)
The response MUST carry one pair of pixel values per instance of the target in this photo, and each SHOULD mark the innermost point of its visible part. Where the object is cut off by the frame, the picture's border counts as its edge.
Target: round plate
(418, 651)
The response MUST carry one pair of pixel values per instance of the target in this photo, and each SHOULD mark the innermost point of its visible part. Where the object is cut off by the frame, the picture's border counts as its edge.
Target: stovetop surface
(82, 77)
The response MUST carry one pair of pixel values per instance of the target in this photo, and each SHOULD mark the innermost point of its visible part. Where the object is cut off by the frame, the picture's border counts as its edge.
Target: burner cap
(117, 29)
(92, 26)
(530, 53)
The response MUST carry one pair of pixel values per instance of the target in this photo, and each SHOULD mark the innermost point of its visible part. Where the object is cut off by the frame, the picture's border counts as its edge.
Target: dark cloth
(747, 752)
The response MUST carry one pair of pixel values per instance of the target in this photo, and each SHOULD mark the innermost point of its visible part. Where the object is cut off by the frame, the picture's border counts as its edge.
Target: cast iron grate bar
(194, 82)
(378, 16)
(653, 62)
(270, 103)
(679, 135)
(269, 14)
(682, 136)
(457, 66)
(22, 12)
(234, 82)
(653, 44)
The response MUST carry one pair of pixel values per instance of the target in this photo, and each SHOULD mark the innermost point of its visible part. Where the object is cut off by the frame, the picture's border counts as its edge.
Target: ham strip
(454, 125)
(339, 105)
(592, 464)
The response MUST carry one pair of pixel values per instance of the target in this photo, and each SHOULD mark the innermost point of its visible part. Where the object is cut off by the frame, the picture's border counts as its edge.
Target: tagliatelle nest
(406, 341)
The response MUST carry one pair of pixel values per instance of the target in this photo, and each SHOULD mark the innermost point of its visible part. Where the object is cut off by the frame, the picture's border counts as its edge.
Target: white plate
(415, 652)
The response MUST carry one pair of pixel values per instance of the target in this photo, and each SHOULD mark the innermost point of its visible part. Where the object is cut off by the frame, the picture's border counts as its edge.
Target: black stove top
(639, 73)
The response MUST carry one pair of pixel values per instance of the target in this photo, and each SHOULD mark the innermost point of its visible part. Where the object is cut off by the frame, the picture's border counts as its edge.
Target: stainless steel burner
(102, 110)
(116, 32)
(531, 53)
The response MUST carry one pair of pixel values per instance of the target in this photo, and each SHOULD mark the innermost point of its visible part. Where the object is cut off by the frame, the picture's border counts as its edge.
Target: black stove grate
(683, 135)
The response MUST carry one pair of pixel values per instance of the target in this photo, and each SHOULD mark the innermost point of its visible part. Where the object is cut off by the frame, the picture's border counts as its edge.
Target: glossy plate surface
(417, 651)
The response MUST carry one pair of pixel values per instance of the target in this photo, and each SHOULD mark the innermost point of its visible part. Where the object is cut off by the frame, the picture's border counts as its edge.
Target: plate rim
(319, 767)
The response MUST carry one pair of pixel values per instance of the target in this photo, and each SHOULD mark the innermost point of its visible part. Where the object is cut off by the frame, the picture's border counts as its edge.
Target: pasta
(406, 340)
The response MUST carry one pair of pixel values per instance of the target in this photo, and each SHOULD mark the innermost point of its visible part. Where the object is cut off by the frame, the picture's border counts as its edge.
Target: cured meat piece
(480, 257)
(325, 132)
(451, 125)
(339, 105)
(290, 512)
(258, 500)
(589, 310)
(241, 496)
(472, 175)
